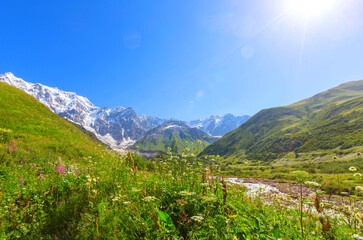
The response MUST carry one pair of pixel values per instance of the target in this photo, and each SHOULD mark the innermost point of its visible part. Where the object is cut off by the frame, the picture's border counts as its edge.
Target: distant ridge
(175, 135)
(218, 125)
(118, 127)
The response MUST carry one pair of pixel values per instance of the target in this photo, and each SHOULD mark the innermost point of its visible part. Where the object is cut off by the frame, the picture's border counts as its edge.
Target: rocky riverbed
(288, 194)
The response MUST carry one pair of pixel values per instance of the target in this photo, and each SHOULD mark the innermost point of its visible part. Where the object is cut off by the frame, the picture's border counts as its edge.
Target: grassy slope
(35, 126)
(325, 121)
(160, 140)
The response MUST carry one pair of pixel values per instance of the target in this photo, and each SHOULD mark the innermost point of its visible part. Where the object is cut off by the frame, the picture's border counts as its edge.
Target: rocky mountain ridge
(118, 127)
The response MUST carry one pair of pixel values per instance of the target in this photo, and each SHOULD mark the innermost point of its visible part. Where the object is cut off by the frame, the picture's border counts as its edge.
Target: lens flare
(310, 8)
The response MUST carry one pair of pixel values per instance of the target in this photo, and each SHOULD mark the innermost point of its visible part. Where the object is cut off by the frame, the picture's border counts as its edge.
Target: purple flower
(60, 169)
(21, 180)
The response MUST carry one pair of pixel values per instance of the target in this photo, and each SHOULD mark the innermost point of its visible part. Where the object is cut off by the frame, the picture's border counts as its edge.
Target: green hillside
(176, 136)
(58, 183)
(33, 126)
(329, 120)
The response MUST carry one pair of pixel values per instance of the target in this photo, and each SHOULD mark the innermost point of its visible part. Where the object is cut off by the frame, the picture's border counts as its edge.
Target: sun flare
(310, 8)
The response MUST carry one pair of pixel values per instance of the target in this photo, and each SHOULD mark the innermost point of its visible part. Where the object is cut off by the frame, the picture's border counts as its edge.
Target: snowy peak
(118, 127)
(219, 125)
(66, 104)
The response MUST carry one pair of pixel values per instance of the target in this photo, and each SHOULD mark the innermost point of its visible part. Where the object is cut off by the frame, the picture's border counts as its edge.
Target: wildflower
(150, 199)
(356, 236)
(60, 169)
(197, 218)
(357, 175)
(352, 169)
(186, 193)
(40, 175)
(359, 188)
(21, 180)
(312, 184)
(199, 141)
(181, 202)
(127, 203)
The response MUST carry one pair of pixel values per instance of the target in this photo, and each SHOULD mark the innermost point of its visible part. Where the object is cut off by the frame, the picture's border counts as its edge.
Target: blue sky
(182, 59)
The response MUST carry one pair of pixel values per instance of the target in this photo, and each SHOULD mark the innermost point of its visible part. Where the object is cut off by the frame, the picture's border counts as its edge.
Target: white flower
(352, 169)
(185, 193)
(197, 218)
(312, 184)
(150, 199)
(356, 236)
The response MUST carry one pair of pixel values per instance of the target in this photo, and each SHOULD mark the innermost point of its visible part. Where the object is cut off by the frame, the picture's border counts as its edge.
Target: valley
(181, 120)
(54, 172)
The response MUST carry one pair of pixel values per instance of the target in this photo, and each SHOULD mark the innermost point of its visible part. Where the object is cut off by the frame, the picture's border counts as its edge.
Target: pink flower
(60, 169)
(40, 175)
(21, 180)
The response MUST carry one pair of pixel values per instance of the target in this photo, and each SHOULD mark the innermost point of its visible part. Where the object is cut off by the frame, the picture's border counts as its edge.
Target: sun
(310, 8)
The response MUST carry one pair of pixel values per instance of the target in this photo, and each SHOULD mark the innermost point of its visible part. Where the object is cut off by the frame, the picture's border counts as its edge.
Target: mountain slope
(175, 135)
(118, 127)
(325, 121)
(218, 125)
(35, 127)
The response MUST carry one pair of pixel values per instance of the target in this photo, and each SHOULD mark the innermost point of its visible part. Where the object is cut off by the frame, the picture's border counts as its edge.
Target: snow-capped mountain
(219, 125)
(66, 104)
(118, 127)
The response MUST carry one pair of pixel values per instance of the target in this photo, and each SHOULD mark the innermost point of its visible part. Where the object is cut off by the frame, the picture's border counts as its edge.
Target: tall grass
(175, 197)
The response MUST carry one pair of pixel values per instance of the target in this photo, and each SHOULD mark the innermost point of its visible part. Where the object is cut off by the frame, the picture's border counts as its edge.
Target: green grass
(57, 183)
(34, 127)
(325, 122)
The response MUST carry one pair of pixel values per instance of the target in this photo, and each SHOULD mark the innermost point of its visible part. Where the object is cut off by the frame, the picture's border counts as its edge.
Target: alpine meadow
(230, 119)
